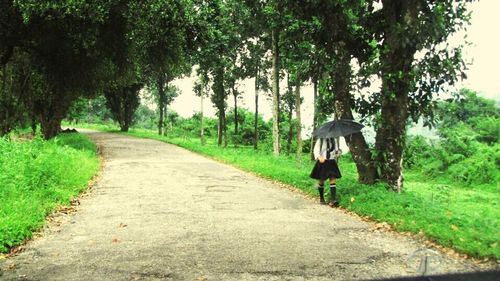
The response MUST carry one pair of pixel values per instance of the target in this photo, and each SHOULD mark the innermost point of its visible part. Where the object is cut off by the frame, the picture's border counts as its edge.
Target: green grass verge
(36, 177)
(466, 219)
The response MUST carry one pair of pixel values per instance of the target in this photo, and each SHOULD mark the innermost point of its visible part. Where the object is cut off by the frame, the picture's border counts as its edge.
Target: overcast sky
(483, 76)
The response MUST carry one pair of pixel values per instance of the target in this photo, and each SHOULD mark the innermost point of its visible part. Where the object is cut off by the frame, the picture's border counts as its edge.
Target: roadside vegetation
(36, 177)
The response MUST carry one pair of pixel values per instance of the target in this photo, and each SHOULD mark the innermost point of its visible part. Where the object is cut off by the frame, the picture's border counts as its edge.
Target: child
(325, 152)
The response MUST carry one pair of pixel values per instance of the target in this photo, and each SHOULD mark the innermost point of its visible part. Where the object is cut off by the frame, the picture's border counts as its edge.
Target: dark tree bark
(7, 55)
(396, 67)
(219, 100)
(367, 171)
(161, 103)
(50, 111)
(298, 101)
(276, 95)
(289, 102)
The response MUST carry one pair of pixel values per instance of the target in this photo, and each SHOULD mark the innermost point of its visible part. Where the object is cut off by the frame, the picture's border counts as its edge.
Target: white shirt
(334, 154)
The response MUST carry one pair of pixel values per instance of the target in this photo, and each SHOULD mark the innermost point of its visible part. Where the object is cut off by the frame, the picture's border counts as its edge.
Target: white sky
(483, 54)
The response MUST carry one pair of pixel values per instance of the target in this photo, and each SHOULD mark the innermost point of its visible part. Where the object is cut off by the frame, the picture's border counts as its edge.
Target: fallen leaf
(122, 225)
(115, 240)
(454, 227)
(352, 199)
(494, 245)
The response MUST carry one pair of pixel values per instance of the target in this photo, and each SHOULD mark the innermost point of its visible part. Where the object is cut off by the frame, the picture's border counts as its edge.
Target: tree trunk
(290, 131)
(367, 171)
(161, 103)
(202, 130)
(51, 111)
(276, 70)
(256, 119)
(289, 103)
(235, 95)
(315, 115)
(219, 100)
(396, 65)
(298, 101)
(33, 125)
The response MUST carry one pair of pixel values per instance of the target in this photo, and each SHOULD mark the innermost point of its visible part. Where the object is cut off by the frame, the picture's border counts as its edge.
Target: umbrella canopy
(338, 128)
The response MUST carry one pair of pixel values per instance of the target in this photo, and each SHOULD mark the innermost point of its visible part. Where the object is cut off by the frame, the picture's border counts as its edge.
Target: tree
(408, 84)
(163, 33)
(216, 59)
(270, 19)
(255, 65)
(123, 102)
(70, 47)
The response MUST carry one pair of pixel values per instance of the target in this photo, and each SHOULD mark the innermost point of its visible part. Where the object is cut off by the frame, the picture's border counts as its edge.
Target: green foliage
(246, 127)
(93, 110)
(36, 177)
(468, 149)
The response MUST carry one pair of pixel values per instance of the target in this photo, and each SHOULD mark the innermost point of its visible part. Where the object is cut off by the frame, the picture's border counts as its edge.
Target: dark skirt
(329, 169)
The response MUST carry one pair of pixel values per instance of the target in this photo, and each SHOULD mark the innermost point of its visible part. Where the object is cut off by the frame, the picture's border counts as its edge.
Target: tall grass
(36, 176)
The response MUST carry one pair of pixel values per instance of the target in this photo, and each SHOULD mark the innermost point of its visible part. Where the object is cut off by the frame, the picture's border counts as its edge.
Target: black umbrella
(337, 128)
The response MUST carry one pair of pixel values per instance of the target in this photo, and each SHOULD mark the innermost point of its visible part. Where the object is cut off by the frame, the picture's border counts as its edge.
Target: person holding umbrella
(326, 153)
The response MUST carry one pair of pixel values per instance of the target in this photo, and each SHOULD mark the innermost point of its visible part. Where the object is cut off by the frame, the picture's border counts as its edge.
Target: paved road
(160, 212)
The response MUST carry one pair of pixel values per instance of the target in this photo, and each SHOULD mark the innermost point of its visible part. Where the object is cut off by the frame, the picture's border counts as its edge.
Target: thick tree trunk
(298, 101)
(50, 126)
(51, 112)
(124, 127)
(276, 95)
(256, 119)
(219, 100)
(396, 72)
(367, 171)
(161, 103)
(33, 125)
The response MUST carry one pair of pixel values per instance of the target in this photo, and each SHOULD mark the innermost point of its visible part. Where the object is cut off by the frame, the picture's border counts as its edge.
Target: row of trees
(53, 52)
(341, 47)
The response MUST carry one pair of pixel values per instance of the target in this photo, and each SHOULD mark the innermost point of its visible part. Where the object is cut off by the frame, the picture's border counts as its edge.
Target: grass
(463, 218)
(37, 176)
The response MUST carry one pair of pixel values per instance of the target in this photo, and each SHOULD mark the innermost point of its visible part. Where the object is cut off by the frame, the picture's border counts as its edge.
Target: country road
(160, 212)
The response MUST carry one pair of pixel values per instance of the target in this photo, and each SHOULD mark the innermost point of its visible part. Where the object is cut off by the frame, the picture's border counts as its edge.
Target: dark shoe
(322, 202)
(333, 204)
